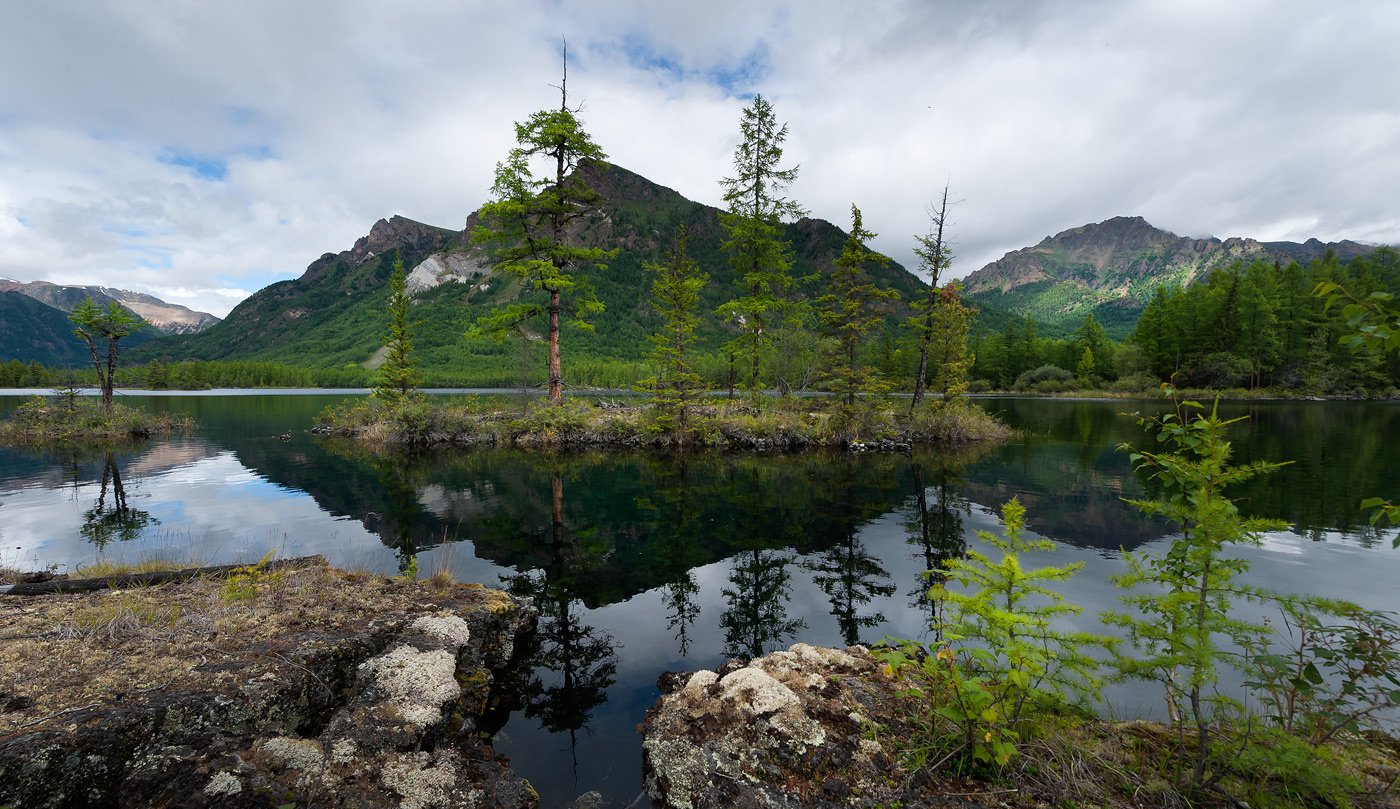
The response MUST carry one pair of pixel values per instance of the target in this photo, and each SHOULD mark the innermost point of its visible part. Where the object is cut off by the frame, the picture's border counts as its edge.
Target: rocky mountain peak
(388, 234)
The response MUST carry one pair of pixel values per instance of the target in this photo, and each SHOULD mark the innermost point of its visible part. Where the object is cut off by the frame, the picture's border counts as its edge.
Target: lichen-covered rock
(789, 729)
(388, 714)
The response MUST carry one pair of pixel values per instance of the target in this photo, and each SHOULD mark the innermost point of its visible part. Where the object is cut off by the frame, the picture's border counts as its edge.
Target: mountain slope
(167, 317)
(334, 313)
(31, 331)
(1112, 268)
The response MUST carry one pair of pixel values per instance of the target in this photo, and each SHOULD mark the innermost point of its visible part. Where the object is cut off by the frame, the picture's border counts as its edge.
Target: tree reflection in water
(581, 660)
(851, 578)
(936, 530)
(107, 521)
(756, 620)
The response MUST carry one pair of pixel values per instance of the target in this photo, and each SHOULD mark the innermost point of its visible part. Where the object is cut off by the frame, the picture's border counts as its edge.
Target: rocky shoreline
(371, 692)
(300, 685)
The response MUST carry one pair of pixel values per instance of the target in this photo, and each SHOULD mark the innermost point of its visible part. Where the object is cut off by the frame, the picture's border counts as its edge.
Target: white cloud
(211, 148)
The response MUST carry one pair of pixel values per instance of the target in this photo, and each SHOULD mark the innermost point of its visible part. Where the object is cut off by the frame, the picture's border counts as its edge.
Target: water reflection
(114, 519)
(573, 663)
(641, 563)
(935, 530)
(755, 617)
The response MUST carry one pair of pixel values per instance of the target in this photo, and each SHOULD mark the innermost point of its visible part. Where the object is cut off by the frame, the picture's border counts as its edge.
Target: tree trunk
(556, 378)
(108, 381)
(923, 363)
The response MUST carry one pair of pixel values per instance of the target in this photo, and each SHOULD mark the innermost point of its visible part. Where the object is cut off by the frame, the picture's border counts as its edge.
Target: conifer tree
(948, 350)
(533, 222)
(398, 376)
(675, 289)
(753, 220)
(111, 323)
(852, 308)
(934, 257)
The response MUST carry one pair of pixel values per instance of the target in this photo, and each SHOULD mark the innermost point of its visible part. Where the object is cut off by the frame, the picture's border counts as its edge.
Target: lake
(642, 563)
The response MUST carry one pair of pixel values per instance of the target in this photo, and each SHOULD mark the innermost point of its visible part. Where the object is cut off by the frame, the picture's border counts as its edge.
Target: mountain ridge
(333, 314)
(1113, 267)
(171, 318)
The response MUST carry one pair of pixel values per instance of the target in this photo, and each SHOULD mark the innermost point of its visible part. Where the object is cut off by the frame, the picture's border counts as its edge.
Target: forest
(1257, 326)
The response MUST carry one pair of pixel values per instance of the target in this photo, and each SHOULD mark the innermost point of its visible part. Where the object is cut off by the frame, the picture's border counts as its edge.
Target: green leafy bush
(1045, 379)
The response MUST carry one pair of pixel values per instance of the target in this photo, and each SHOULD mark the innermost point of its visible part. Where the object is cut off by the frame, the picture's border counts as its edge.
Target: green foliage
(1045, 379)
(107, 324)
(398, 376)
(675, 288)
(944, 343)
(1264, 324)
(1374, 326)
(1330, 667)
(1181, 620)
(62, 419)
(852, 308)
(934, 257)
(1373, 323)
(531, 224)
(1272, 768)
(1003, 662)
(760, 255)
(244, 583)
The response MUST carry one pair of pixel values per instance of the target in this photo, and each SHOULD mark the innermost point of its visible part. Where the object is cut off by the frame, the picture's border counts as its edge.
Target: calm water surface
(660, 562)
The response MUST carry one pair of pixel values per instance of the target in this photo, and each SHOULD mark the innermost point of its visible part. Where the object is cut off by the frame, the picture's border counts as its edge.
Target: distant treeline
(1251, 326)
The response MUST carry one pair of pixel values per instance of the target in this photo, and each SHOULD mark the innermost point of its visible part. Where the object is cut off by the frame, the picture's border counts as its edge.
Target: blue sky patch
(740, 78)
(205, 167)
(642, 54)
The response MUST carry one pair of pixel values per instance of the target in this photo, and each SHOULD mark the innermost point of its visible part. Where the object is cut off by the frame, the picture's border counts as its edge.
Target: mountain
(1113, 267)
(31, 331)
(334, 314)
(167, 317)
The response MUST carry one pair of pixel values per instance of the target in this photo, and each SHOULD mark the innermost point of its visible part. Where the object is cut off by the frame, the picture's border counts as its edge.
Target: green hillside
(334, 315)
(31, 331)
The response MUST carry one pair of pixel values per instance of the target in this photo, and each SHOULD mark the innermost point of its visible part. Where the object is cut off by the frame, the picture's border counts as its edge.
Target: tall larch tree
(103, 324)
(934, 258)
(753, 221)
(676, 285)
(852, 308)
(398, 376)
(948, 352)
(532, 224)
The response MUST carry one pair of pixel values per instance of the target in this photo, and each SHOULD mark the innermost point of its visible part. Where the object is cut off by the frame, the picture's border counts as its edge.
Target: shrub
(1045, 379)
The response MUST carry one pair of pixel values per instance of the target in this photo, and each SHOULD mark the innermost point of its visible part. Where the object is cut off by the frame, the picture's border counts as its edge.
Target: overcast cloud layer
(200, 151)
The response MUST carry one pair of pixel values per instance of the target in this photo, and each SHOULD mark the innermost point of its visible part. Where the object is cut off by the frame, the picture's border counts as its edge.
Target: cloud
(213, 148)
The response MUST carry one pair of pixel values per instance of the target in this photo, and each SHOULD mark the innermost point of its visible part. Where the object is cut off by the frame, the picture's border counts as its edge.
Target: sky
(199, 151)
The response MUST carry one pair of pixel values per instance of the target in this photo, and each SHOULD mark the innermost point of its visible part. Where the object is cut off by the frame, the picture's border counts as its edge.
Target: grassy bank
(735, 424)
(42, 421)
